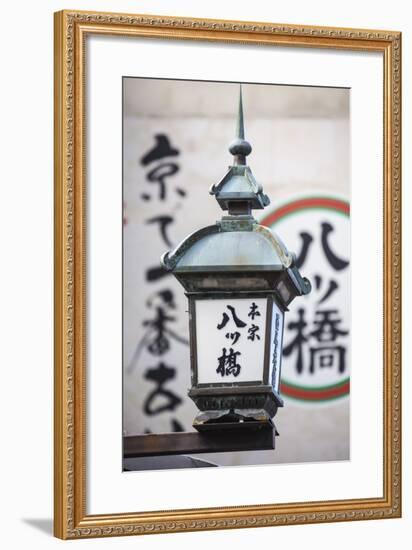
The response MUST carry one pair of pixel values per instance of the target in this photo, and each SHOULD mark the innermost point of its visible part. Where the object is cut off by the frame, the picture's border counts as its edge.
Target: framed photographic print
(227, 274)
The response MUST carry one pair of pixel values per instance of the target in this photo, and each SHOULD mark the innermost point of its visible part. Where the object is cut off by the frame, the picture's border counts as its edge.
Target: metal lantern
(239, 279)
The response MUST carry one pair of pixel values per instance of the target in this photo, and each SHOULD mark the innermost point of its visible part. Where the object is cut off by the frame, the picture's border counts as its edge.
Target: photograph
(236, 273)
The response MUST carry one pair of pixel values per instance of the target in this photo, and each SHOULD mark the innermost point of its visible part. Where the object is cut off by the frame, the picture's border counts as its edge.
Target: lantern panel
(276, 345)
(230, 340)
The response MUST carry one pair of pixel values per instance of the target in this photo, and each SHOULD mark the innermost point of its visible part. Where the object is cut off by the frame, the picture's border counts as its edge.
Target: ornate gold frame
(71, 520)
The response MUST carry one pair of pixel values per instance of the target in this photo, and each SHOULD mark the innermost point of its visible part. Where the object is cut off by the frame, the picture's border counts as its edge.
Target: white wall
(26, 274)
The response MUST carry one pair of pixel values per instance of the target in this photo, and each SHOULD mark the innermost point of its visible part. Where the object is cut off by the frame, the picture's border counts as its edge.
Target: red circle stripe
(315, 202)
(314, 395)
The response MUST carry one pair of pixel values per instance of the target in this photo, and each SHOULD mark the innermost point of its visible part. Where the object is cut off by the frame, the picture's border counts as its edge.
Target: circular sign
(316, 343)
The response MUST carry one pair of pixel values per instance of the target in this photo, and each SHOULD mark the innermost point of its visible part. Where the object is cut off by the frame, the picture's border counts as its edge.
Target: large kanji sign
(316, 352)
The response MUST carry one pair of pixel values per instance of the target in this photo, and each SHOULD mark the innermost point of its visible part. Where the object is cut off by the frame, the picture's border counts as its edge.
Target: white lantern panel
(230, 340)
(276, 345)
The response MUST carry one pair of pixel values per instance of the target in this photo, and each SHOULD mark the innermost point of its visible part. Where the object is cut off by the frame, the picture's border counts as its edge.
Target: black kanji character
(163, 222)
(160, 343)
(158, 335)
(238, 322)
(333, 286)
(254, 312)
(227, 363)
(234, 336)
(161, 150)
(252, 332)
(160, 374)
(307, 239)
(158, 332)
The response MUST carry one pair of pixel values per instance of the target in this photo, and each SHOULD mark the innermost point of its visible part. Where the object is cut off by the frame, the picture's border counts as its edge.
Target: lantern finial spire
(240, 148)
(240, 130)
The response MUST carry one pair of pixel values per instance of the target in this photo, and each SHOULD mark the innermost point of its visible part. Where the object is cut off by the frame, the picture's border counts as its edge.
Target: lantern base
(245, 419)
(240, 403)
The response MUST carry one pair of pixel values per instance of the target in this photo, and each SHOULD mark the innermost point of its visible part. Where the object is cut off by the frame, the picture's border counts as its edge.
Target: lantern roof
(232, 244)
(235, 246)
